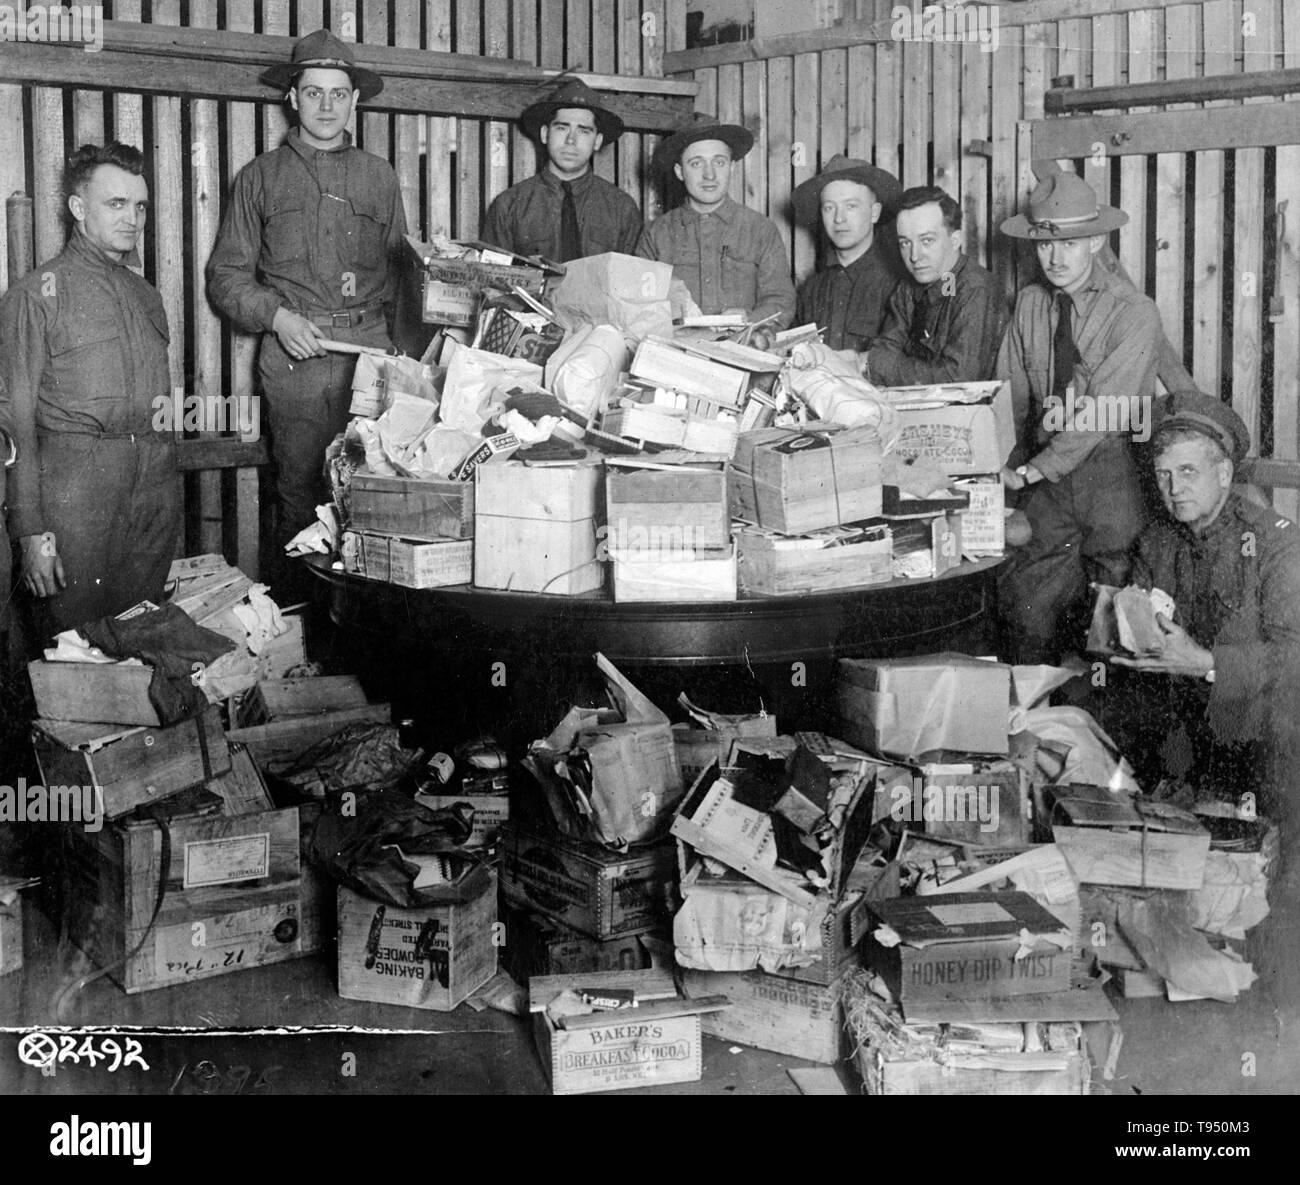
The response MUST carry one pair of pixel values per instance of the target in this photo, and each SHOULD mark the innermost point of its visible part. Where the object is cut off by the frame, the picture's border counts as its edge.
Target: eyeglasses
(314, 94)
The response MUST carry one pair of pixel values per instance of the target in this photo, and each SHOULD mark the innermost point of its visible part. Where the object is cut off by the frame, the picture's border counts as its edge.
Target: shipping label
(227, 861)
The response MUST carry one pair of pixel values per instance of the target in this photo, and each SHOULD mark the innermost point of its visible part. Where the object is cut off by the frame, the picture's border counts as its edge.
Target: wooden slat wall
(1204, 238)
(449, 168)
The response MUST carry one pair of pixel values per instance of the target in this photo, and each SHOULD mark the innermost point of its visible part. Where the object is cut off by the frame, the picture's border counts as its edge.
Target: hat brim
(534, 118)
(1021, 227)
(740, 140)
(283, 75)
(886, 187)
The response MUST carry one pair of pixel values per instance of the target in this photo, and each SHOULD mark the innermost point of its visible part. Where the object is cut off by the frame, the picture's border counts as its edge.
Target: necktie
(1063, 346)
(919, 331)
(570, 239)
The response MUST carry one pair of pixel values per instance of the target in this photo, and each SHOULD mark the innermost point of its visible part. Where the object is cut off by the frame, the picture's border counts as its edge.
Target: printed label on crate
(548, 881)
(230, 942)
(226, 861)
(971, 913)
(408, 948)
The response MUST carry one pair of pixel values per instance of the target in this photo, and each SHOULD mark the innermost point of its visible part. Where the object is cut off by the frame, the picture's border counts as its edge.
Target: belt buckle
(340, 320)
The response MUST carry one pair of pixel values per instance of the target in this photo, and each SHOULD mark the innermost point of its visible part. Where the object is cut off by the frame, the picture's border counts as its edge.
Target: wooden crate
(92, 692)
(538, 945)
(285, 699)
(434, 956)
(774, 1012)
(798, 480)
(624, 1053)
(678, 508)
(415, 508)
(1136, 859)
(11, 935)
(595, 890)
(770, 565)
(412, 563)
(663, 365)
(232, 897)
(130, 767)
(536, 528)
(699, 576)
(277, 745)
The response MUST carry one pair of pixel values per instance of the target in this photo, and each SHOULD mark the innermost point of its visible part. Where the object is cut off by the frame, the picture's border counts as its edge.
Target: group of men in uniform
(309, 249)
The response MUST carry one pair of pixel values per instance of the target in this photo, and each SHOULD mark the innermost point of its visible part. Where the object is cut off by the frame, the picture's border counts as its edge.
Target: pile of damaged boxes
(554, 433)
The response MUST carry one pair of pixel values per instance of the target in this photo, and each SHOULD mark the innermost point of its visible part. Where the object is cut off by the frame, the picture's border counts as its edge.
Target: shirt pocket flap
(158, 315)
(63, 339)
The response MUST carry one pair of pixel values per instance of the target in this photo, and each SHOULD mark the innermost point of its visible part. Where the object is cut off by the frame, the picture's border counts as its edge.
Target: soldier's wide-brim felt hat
(572, 93)
(1208, 416)
(1063, 206)
(322, 50)
(807, 194)
(700, 127)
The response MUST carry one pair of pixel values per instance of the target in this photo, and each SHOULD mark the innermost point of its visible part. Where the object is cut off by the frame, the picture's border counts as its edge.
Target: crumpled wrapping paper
(1159, 927)
(733, 926)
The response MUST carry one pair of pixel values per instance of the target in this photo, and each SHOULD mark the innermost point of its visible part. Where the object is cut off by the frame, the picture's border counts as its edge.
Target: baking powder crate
(432, 956)
(232, 894)
(595, 890)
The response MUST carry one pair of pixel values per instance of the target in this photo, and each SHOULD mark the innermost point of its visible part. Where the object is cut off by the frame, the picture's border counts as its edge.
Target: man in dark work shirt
(945, 323)
(848, 297)
(566, 212)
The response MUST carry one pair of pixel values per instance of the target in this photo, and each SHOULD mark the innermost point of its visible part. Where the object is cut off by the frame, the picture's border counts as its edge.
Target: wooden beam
(1253, 85)
(851, 33)
(220, 452)
(1203, 129)
(1275, 474)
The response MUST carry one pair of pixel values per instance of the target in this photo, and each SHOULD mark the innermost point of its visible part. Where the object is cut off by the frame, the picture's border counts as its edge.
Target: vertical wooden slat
(629, 62)
(780, 145)
(1133, 169)
(729, 111)
(577, 37)
(87, 117)
(833, 68)
(548, 36)
(496, 44)
(1286, 326)
(754, 105)
(275, 121)
(975, 82)
(241, 124)
(128, 109)
(654, 16)
(946, 117)
(440, 136)
(469, 152)
(376, 126)
(1247, 293)
(13, 171)
(888, 102)
(49, 150)
(1105, 70)
(406, 31)
(916, 113)
(860, 85)
(1005, 113)
(1208, 227)
(524, 153)
(806, 158)
(311, 16)
(604, 62)
(205, 203)
(1170, 188)
(167, 213)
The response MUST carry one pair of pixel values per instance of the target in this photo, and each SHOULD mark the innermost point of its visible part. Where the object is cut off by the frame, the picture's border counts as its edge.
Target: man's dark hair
(923, 195)
(83, 163)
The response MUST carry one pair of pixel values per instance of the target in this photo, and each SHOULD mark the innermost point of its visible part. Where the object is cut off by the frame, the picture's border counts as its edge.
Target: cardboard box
(599, 892)
(661, 364)
(414, 508)
(536, 528)
(434, 956)
(675, 509)
(131, 767)
(287, 699)
(92, 692)
(11, 923)
(697, 576)
(645, 425)
(369, 383)
(798, 480)
(1110, 840)
(983, 522)
(412, 563)
(626, 1052)
(232, 899)
(450, 304)
(776, 565)
(957, 947)
(540, 946)
(803, 1020)
(926, 547)
(986, 805)
(697, 748)
(491, 811)
(905, 707)
(966, 428)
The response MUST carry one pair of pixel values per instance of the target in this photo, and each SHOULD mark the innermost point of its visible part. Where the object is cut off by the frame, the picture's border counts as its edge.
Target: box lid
(964, 917)
(654, 984)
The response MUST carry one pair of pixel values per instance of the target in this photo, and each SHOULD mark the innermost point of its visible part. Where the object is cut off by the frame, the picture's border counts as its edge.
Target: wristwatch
(1023, 471)
(1209, 675)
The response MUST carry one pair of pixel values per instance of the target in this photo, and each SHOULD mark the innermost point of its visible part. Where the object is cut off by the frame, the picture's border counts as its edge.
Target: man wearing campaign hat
(731, 258)
(309, 249)
(1231, 651)
(1081, 355)
(848, 297)
(566, 212)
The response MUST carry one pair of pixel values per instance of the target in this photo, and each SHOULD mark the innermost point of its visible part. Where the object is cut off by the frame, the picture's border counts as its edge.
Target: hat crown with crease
(700, 127)
(575, 93)
(1063, 206)
(885, 186)
(1208, 416)
(324, 51)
